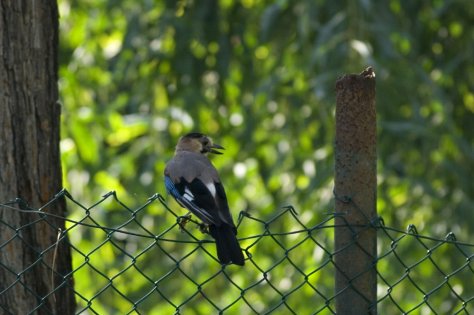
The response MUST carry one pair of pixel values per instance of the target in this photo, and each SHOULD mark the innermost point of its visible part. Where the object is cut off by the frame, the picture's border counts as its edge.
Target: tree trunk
(30, 167)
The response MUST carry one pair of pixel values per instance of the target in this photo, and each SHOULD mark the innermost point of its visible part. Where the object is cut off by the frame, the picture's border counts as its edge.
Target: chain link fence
(142, 261)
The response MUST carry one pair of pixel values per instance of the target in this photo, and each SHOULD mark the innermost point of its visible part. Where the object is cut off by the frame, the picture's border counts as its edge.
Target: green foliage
(259, 77)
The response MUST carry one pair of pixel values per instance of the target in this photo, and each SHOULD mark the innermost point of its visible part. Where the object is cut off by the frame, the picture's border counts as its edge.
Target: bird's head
(199, 143)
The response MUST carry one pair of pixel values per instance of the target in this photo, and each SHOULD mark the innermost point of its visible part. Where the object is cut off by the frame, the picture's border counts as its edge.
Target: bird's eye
(205, 142)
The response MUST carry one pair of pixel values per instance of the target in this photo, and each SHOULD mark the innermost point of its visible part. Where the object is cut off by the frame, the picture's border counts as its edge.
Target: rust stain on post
(355, 194)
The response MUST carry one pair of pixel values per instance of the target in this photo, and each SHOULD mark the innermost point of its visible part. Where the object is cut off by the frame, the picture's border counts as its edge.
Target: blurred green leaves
(258, 76)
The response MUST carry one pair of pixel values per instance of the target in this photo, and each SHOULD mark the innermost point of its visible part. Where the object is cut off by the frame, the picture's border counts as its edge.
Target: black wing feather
(202, 204)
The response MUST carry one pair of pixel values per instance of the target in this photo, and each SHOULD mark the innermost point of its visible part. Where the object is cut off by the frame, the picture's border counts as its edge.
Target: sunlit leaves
(258, 76)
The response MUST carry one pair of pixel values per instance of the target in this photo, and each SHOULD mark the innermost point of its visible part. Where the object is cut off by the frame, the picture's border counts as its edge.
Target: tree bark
(30, 167)
(355, 190)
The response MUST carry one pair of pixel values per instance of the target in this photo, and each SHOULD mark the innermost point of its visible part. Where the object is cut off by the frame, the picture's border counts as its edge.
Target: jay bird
(194, 182)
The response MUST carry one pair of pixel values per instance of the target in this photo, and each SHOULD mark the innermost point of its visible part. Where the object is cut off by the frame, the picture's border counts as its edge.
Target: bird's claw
(183, 220)
(204, 228)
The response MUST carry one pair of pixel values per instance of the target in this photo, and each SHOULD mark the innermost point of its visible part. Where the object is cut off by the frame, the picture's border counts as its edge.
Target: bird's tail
(228, 248)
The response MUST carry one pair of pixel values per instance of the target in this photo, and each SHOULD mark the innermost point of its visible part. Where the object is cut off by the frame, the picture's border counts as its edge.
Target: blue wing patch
(171, 188)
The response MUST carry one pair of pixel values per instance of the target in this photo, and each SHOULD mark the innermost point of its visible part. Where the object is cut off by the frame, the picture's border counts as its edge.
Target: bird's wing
(223, 206)
(196, 197)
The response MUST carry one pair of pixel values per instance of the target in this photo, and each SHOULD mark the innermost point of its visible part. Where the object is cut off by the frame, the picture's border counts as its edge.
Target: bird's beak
(216, 146)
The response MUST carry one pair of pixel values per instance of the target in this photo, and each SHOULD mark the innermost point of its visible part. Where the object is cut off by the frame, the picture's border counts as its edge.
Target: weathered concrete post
(355, 193)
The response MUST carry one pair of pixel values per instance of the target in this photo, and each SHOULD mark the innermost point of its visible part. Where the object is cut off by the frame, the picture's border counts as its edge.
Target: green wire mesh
(141, 261)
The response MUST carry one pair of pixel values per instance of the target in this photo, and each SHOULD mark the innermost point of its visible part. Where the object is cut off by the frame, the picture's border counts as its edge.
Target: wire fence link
(142, 261)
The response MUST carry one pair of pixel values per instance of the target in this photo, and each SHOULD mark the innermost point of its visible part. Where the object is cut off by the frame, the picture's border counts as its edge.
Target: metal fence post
(355, 194)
